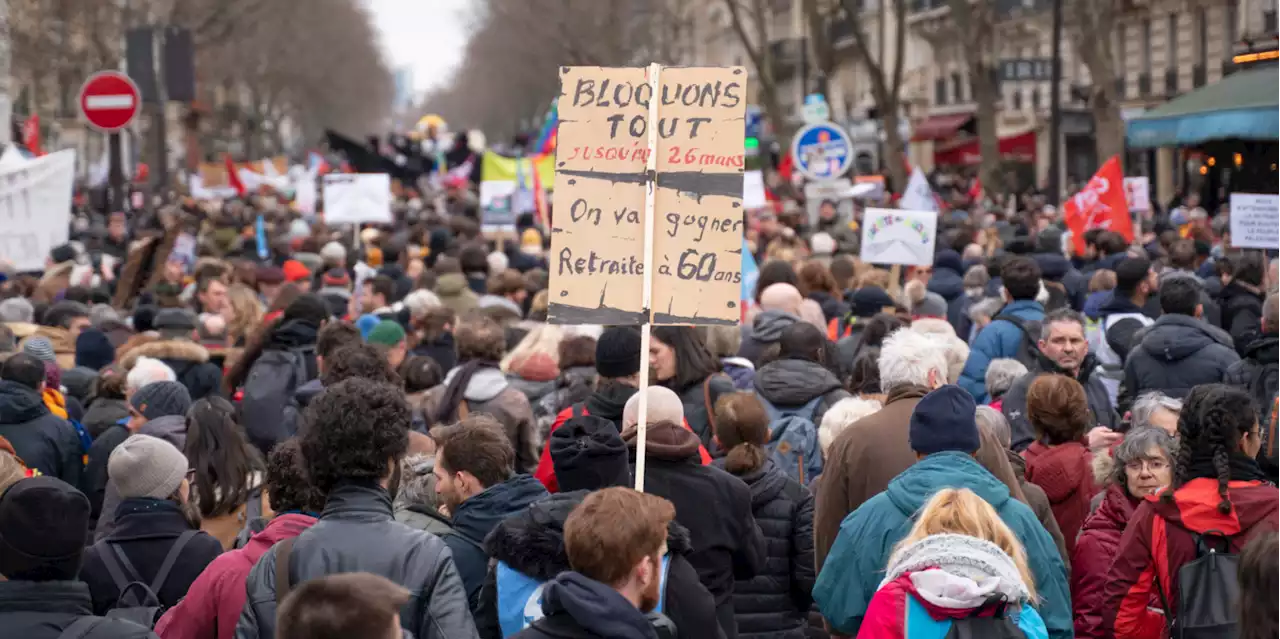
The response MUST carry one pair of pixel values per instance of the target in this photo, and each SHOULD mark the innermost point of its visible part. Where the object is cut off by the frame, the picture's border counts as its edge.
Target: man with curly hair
(353, 437)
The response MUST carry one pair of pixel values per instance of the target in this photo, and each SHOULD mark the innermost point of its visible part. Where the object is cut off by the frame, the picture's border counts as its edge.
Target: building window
(940, 91)
(1232, 30)
(957, 88)
(1171, 54)
(1017, 100)
(1202, 37)
(1035, 99)
(1146, 46)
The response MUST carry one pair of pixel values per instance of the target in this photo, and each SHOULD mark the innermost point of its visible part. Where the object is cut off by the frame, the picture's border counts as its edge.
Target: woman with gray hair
(416, 501)
(1156, 410)
(1142, 465)
(1002, 373)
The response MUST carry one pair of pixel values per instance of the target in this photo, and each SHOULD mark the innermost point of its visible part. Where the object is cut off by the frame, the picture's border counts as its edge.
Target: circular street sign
(822, 151)
(109, 100)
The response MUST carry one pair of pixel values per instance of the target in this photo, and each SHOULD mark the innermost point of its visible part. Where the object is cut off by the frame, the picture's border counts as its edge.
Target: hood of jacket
(768, 325)
(1264, 349)
(282, 527)
(532, 540)
(794, 382)
(60, 338)
(609, 400)
(1174, 338)
(452, 285)
(1053, 266)
(910, 490)
(597, 608)
(534, 367)
(948, 275)
(952, 575)
(1113, 513)
(479, 514)
(665, 440)
(489, 300)
(766, 482)
(1195, 505)
(19, 404)
(484, 385)
(1061, 470)
(334, 291)
(141, 518)
(171, 428)
(171, 350)
(291, 335)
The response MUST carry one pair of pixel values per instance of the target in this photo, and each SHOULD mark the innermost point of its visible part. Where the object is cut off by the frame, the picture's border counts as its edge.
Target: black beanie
(588, 454)
(618, 352)
(43, 523)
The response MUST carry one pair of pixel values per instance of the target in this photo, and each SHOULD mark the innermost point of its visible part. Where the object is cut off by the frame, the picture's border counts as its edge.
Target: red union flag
(1099, 205)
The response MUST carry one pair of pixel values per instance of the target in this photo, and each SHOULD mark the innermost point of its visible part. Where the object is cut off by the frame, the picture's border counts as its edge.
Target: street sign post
(109, 101)
(822, 151)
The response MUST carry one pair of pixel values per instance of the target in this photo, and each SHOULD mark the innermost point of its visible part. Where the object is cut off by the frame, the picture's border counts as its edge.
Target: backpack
(268, 388)
(988, 621)
(138, 601)
(1028, 352)
(81, 628)
(254, 522)
(520, 596)
(793, 439)
(1208, 592)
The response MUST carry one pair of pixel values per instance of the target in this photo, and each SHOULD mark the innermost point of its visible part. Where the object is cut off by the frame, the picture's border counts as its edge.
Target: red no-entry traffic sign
(109, 100)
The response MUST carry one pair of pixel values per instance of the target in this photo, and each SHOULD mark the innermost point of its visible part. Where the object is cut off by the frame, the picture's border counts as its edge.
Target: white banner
(35, 208)
(355, 198)
(918, 196)
(893, 236)
(753, 196)
(1255, 220)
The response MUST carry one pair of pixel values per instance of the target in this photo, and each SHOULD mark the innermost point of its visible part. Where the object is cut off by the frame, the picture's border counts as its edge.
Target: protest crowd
(294, 430)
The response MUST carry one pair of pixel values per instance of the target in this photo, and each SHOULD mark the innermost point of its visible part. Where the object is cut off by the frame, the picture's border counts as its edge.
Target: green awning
(1243, 105)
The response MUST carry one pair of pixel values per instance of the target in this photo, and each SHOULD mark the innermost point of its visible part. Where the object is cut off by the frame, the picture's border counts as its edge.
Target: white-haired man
(873, 450)
(147, 370)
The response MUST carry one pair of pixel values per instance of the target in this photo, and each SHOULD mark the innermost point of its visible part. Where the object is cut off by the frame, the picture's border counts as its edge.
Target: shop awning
(939, 127)
(1240, 106)
(1014, 148)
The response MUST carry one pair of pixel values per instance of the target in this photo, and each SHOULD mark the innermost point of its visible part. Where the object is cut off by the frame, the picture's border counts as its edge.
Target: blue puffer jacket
(998, 339)
(854, 568)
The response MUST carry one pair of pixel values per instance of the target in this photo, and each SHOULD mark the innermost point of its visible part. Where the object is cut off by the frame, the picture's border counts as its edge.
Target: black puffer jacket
(1175, 354)
(1259, 374)
(44, 610)
(775, 603)
(44, 441)
(1241, 314)
(791, 383)
(189, 361)
(532, 543)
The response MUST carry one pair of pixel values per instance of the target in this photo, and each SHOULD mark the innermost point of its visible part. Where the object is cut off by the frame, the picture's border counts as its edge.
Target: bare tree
(974, 24)
(886, 81)
(1092, 34)
(750, 21)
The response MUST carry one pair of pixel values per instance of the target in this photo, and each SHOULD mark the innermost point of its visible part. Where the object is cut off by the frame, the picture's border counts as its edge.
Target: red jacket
(1064, 472)
(1157, 541)
(546, 472)
(212, 605)
(1096, 546)
(889, 615)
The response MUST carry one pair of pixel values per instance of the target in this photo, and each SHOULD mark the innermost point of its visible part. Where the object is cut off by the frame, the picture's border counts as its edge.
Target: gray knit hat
(933, 305)
(40, 348)
(146, 466)
(160, 399)
(17, 309)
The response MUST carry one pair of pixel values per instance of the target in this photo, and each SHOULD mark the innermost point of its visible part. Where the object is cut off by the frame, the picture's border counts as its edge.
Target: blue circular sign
(822, 151)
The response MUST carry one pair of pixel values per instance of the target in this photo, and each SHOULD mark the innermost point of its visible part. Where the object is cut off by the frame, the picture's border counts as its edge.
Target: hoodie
(790, 383)
(765, 331)
(1065, 473)
(1175, 354)
(455, 293)
(575, 606)
(477, 516)
(489, 391)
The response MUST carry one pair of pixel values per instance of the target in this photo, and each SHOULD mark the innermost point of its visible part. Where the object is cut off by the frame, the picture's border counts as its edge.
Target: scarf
(456, 389)
(962, 556)
(1241, 467)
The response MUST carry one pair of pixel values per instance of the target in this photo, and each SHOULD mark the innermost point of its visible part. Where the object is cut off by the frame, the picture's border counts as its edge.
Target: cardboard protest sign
(1255, 220)
(35, 208)
(894, 236)
(355, 198)
(597, 243)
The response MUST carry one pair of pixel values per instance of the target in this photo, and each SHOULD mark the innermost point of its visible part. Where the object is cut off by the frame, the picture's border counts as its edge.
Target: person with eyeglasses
(1141, 465)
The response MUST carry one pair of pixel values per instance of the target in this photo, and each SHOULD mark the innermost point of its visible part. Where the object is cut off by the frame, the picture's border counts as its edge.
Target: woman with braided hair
(1217, 486)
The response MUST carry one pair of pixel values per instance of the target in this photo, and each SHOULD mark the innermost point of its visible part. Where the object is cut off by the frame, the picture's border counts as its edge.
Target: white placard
(894, 236)
(1137, 193)
(1255, 220)
(753, 196)
(35, 208)
(918, 196)
(355, 198)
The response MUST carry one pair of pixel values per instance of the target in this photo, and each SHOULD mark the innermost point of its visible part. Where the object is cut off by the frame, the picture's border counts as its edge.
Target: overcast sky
(425, 35)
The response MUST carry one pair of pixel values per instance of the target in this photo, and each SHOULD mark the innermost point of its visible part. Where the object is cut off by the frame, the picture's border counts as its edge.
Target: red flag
(1099, 205)
(31, 135)
(233, 176)
(975, 191)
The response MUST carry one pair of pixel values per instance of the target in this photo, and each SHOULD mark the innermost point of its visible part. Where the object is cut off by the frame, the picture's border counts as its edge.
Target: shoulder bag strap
(170, 559)
(113, 567)
(283, 550)
(463, 410)
(81, 627)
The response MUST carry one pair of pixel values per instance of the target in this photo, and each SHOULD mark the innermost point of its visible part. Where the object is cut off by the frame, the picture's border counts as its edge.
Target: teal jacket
(855, 566)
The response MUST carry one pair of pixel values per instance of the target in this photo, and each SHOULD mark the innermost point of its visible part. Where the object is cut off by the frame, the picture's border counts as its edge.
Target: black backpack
(139, 602)
(988, 621)
(268, 389)
(1208, 592)
(1028, 352)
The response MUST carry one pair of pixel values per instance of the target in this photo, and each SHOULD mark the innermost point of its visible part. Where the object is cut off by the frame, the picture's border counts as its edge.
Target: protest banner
(214, 174)
(1099, 205)
(1137, 194)
(35, 208)
(918, 195)
(1255, 220)
(508, 188)
(355, 198)
(896, 236)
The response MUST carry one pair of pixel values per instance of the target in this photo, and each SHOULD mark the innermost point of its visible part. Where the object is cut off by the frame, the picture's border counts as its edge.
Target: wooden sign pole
(895, 282)
(650, 191)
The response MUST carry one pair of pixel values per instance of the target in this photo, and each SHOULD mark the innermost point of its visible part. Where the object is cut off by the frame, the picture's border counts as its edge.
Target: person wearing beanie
(40, 348)
(529, 546)
(943, 433)
(42, 527)
(335, 288)
(61, 323)
(152, 522)
(334, 255)
(179, 351)
(389, 336)
(714, 505)
(46, 441)
(1056, 268)
(297, 274)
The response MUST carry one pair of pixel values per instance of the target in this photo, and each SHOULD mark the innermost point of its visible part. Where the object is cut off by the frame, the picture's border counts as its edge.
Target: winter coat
(1039, 503)
(1096, 547)
(45, 609)
(763, 332)
(302, 397)
(1054, 267)
(404, 285)
(455, 294)
(1065, 474)
(189, 361)
(574, 384)
(532, 543)
(442, 349)
(791, 383)
(847, 239)
(1120, 324)
(171, 428)
(1259, 373)
(833, 308)
(775, 603)
(714, 505)
(145, 530)
(490, 392)
(741, 370)
(212, 606)
(1014, 404)
(935, 580)
(861, 462)
(1176, 353)
(44, 441)
(1241, 314)
(576, 607)
(1094, 302)
(477, 516)
(856, 564)
(699, 401)
(948, 281)
(64, 344)
(1159, 529)
(997, 339)
(104, 413)
(356, 533)
(94, 481)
